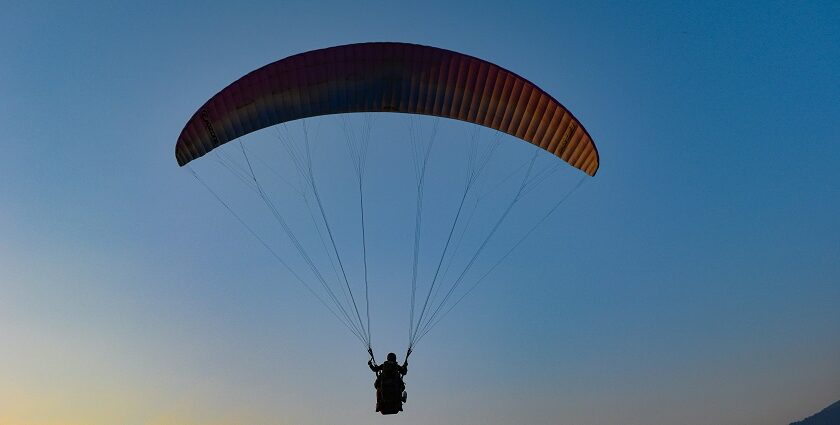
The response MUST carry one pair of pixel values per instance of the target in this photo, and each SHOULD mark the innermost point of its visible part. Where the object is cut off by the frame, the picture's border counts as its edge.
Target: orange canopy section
(388, 77)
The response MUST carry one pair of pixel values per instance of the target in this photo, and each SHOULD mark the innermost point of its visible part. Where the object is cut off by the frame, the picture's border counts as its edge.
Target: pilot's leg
(376, 384)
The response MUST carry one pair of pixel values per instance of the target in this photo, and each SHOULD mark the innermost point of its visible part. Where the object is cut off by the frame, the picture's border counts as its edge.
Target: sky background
(694, 280)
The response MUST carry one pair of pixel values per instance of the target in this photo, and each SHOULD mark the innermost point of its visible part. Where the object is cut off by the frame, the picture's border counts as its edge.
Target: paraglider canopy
(388, 77)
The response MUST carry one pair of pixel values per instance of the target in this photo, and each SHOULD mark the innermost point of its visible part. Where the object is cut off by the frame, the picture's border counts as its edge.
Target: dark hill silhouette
(828, 416)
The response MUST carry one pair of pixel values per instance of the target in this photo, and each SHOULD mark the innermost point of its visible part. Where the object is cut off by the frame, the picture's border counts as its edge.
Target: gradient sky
(694, 280)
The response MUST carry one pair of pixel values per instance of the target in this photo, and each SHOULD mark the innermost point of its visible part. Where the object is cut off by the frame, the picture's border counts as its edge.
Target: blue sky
(694, 280)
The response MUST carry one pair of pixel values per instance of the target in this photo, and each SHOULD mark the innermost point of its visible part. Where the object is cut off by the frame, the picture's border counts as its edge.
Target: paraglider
(378, 78)
(389, 384)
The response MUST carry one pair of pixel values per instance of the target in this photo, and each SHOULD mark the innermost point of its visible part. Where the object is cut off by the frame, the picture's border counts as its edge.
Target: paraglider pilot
(387, 374)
